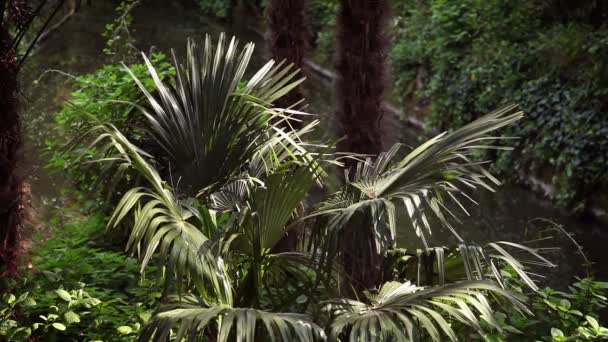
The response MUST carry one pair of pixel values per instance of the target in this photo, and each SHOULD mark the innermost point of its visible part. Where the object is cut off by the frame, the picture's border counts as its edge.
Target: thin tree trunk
(287, 39)
(360, 67)
(10, 145)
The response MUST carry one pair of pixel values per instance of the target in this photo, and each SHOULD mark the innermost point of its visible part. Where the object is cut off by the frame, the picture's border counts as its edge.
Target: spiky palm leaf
(231, 324)
(209, 123)
(399, 309)
(440, 265)
(425, 180)
(161, 222)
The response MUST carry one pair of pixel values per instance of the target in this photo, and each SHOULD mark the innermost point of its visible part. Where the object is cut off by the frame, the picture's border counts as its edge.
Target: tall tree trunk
(360, 65)
(287, 39)
(10, 144)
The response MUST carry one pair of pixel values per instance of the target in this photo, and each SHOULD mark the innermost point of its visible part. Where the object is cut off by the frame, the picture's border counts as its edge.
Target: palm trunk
(10, 144)
(286, 39)
(360, 65)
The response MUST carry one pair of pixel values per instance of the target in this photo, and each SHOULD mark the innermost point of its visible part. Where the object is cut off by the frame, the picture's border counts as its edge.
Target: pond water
(76, 49)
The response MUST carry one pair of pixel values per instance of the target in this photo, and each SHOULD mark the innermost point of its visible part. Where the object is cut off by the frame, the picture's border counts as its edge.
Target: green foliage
(321, 15)
(80, 287)
(111, 94)
(470, 56)
(119, 42)
(53, 314)
(217, 8)
(215, 234)
(466, 58)
(557, 316)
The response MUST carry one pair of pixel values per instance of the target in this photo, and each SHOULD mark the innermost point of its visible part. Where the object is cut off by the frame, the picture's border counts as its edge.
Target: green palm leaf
(208, 122)
(231, 324)
(162, 224)
(424, 181)
(398, 310)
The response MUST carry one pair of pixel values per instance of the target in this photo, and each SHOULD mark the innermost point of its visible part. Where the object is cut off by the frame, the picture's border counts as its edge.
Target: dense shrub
(79, 287)
(110, 93)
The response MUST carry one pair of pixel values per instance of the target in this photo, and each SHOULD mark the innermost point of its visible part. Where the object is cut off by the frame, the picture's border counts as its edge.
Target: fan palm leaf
(231, 324)
(210, 122)
(162, 224)
(398, 310)
(440, 265)
(424, 181)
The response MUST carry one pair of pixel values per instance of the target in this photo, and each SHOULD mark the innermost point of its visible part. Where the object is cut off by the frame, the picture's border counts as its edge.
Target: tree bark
(360, 65)
(10, 145)
(287, 39)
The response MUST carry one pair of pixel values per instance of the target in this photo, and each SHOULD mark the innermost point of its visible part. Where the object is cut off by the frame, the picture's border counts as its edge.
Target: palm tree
(360, 65)
(287, 39)
(216, 238)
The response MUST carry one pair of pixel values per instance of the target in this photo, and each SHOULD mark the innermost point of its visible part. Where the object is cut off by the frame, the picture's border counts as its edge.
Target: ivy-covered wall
(550, 57)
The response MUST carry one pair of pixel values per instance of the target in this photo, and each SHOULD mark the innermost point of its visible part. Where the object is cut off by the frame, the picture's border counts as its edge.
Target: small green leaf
(593, 322)
(125, 330)
(11, 298)
(145, 316)
(302, 299)
(63, 294)
(556, 333)
(564, 305)
(71, 317)
(59, 326)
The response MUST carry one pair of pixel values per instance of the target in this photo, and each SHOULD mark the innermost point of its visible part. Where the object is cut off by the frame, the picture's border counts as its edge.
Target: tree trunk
(10, 144)
(286, 38)
(360, 67)
(287, 41)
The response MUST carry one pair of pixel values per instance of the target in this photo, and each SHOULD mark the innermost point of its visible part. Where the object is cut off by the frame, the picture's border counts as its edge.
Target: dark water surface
(76, 49)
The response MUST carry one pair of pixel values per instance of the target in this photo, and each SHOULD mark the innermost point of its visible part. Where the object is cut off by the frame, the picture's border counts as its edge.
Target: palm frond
(231, 324)
(273, 205)
(399, 310)
(162, 224)
(439, 265)
(424, 181)
(209, 123)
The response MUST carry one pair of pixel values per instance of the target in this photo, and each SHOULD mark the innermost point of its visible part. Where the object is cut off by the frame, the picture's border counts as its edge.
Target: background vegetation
(219, 272)
(455, 60)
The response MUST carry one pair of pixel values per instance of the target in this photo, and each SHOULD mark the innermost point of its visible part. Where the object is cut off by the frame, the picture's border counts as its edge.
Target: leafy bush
(110, 93)
(558, 316)
(81, 287)
(57, 314)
